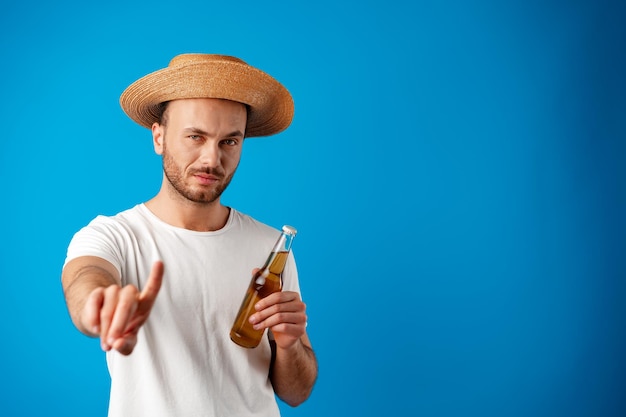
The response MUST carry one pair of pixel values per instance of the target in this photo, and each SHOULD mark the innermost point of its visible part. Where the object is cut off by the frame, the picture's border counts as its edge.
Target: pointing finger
(153, 285)
(147, 297)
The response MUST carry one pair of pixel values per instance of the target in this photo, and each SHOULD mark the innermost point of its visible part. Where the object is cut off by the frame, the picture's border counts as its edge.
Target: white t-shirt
(184, 363)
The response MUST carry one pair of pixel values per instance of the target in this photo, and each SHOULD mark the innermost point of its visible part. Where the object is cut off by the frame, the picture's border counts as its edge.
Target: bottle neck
(281, 248)
(283, 244)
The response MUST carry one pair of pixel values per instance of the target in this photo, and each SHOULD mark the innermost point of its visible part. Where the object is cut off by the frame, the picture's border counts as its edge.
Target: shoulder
(122, 227)
(132, 216)
(249, 225)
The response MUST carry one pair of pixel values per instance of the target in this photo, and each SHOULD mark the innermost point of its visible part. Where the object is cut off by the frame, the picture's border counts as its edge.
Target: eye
(230, 142)
(194, 137)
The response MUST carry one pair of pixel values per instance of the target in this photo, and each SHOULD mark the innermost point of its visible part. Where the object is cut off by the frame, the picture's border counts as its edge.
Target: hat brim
(271, 106)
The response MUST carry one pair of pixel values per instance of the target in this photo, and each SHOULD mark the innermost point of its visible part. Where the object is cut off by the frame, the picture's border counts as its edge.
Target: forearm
(293, 372)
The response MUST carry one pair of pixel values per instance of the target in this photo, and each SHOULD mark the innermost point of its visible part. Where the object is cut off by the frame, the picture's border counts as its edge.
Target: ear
(158, 133)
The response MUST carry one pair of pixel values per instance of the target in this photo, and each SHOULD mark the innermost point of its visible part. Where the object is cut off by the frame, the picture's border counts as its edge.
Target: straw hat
(212, 76)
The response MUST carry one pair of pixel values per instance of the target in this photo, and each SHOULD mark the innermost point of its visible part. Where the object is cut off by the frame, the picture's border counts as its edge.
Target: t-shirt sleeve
(99, 238)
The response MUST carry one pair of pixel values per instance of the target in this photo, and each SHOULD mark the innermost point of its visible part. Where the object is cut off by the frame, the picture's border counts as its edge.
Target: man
(160, 284)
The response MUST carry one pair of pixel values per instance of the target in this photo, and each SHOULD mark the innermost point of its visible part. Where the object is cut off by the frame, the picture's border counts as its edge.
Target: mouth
(206, 179)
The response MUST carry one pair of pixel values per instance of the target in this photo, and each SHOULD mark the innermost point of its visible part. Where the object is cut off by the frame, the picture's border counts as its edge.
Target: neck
(186, 214)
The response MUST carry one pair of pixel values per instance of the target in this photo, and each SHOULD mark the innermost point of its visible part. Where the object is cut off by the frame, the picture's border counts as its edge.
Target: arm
(100, 306)
(293, 369)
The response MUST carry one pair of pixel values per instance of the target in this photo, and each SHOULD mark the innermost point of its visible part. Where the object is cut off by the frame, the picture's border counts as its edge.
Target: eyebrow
(201, 132)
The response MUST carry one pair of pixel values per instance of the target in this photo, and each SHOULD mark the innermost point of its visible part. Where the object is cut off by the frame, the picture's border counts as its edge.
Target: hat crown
(190, 59)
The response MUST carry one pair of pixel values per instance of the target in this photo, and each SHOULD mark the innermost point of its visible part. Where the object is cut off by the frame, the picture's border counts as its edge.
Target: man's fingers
(106, 313)
(280, 297)
(91, 312)
(126, 343)
(116, 313)
(126, 306)
(153, 285)
(280, 307)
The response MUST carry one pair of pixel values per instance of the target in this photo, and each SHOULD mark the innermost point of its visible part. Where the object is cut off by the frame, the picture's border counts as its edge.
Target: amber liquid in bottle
(266, 281)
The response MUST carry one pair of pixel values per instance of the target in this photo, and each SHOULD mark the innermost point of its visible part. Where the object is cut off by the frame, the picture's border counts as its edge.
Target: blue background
(456, 170)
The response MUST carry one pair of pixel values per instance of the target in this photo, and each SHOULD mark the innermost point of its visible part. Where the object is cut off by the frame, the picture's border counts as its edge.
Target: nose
(210, 155)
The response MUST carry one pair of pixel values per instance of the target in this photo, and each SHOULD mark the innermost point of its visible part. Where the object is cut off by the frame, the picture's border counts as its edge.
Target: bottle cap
(289, 230)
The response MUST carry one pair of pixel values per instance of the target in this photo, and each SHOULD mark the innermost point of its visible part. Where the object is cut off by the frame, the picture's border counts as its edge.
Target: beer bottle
(264, 282)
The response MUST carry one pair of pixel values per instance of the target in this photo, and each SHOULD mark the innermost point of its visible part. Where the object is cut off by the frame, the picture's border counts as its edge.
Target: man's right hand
(118, 313)
(101, 307)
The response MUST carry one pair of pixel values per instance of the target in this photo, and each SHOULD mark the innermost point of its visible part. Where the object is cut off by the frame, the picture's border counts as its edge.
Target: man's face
(201, 144)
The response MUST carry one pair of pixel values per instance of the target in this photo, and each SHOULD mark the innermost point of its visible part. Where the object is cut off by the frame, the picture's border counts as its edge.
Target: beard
(202, 195)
